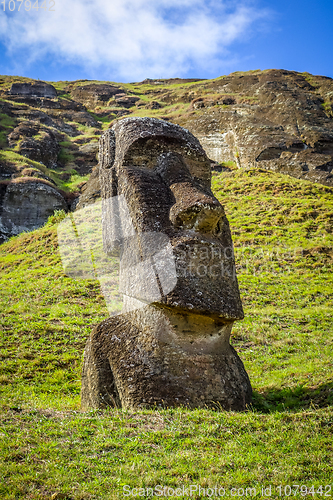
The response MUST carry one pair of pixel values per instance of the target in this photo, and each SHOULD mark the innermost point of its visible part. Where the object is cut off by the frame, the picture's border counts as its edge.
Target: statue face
(163, 175)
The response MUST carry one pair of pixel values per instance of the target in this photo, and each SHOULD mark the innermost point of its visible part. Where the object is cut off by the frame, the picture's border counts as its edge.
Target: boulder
(84, 157)
(26, 204)
(304, 164)
(169, 346)
(90, 191)
(34, 89)
(7, 171)
(153, 105)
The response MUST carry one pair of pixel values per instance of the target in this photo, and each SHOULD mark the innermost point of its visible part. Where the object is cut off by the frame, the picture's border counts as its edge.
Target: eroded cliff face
(273, 119)
(276, 120)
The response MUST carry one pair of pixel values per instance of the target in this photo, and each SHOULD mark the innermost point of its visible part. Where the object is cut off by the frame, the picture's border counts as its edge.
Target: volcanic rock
(34, 89)
(26, 204)
(93, 94)
(273, 119)
(170, 345)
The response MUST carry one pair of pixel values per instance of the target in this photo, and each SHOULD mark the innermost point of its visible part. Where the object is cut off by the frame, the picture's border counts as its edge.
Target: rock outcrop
(277, 120)
(26, 204)
(93, 94)
(34, 89)
(170, 345)
(35, 142)
(90, 191)
(125, 101)
(274, 119)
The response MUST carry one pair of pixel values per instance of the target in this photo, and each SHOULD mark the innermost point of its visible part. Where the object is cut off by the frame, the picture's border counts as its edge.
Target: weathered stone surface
(172, 350)
(269, 120)
(26, 204)
(125, 101)
(90, 192)
(37, 143)
(153, 105)
(305, 164)
(93, 94)
(44, 103)
(82, 117)
(89, 151)
(35, 89)
(155, 357)
(6, 171)
(56, 119)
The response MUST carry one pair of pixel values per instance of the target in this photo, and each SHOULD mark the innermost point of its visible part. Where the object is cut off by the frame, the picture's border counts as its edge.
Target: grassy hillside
(282, 232)
(74, 129)
(57, 139)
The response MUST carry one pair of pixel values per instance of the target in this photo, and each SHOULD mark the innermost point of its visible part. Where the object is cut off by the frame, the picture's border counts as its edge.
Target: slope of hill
(282, 232)
(275, 120)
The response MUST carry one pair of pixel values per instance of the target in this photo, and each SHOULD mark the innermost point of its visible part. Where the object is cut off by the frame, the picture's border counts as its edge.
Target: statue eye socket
(219, 226)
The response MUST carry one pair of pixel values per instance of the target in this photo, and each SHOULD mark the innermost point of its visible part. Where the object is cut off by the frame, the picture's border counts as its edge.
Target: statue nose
(194, 208)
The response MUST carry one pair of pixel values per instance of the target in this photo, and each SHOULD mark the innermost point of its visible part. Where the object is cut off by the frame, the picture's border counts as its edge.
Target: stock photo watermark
(27, 5)
(283, 491)
(206, 261)
(277, 260)
(147, 266)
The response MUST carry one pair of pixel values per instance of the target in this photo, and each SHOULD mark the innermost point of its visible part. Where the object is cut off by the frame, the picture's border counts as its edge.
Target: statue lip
(178, 309)
(174, 304)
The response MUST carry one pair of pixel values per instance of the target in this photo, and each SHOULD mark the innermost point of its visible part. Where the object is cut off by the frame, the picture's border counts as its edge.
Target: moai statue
(169, 346)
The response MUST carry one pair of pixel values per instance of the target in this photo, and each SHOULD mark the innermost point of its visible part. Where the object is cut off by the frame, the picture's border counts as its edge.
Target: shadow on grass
(298, 398)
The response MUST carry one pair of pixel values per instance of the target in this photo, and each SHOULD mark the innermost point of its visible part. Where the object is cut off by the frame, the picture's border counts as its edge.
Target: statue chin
(159, 357)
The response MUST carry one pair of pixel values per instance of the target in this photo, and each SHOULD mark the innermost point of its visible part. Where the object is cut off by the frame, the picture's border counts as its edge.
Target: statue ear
(107, 149)
(109, 190)
(106, 165)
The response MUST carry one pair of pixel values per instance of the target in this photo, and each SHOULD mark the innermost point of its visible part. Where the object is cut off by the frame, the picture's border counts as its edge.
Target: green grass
(3, 139)
(282, 232)
(20, 104)
(328, 109)
(6, 121)
(87, 131)
(74, 181)
(230, 164)
(103, 119)
(94, 456)
(65, 144)
(65, 155)
(13, 157)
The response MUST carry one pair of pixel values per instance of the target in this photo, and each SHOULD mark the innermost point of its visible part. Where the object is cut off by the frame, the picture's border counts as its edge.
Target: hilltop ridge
(274, 120)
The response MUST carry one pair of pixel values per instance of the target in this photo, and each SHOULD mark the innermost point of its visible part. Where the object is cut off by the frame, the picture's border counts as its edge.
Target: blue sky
(129, 40)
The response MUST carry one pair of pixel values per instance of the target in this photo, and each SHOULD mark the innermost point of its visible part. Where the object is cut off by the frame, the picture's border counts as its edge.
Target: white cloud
(130, 39)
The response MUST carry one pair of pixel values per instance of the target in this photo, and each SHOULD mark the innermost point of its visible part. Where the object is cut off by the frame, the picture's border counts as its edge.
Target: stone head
(163, 177)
